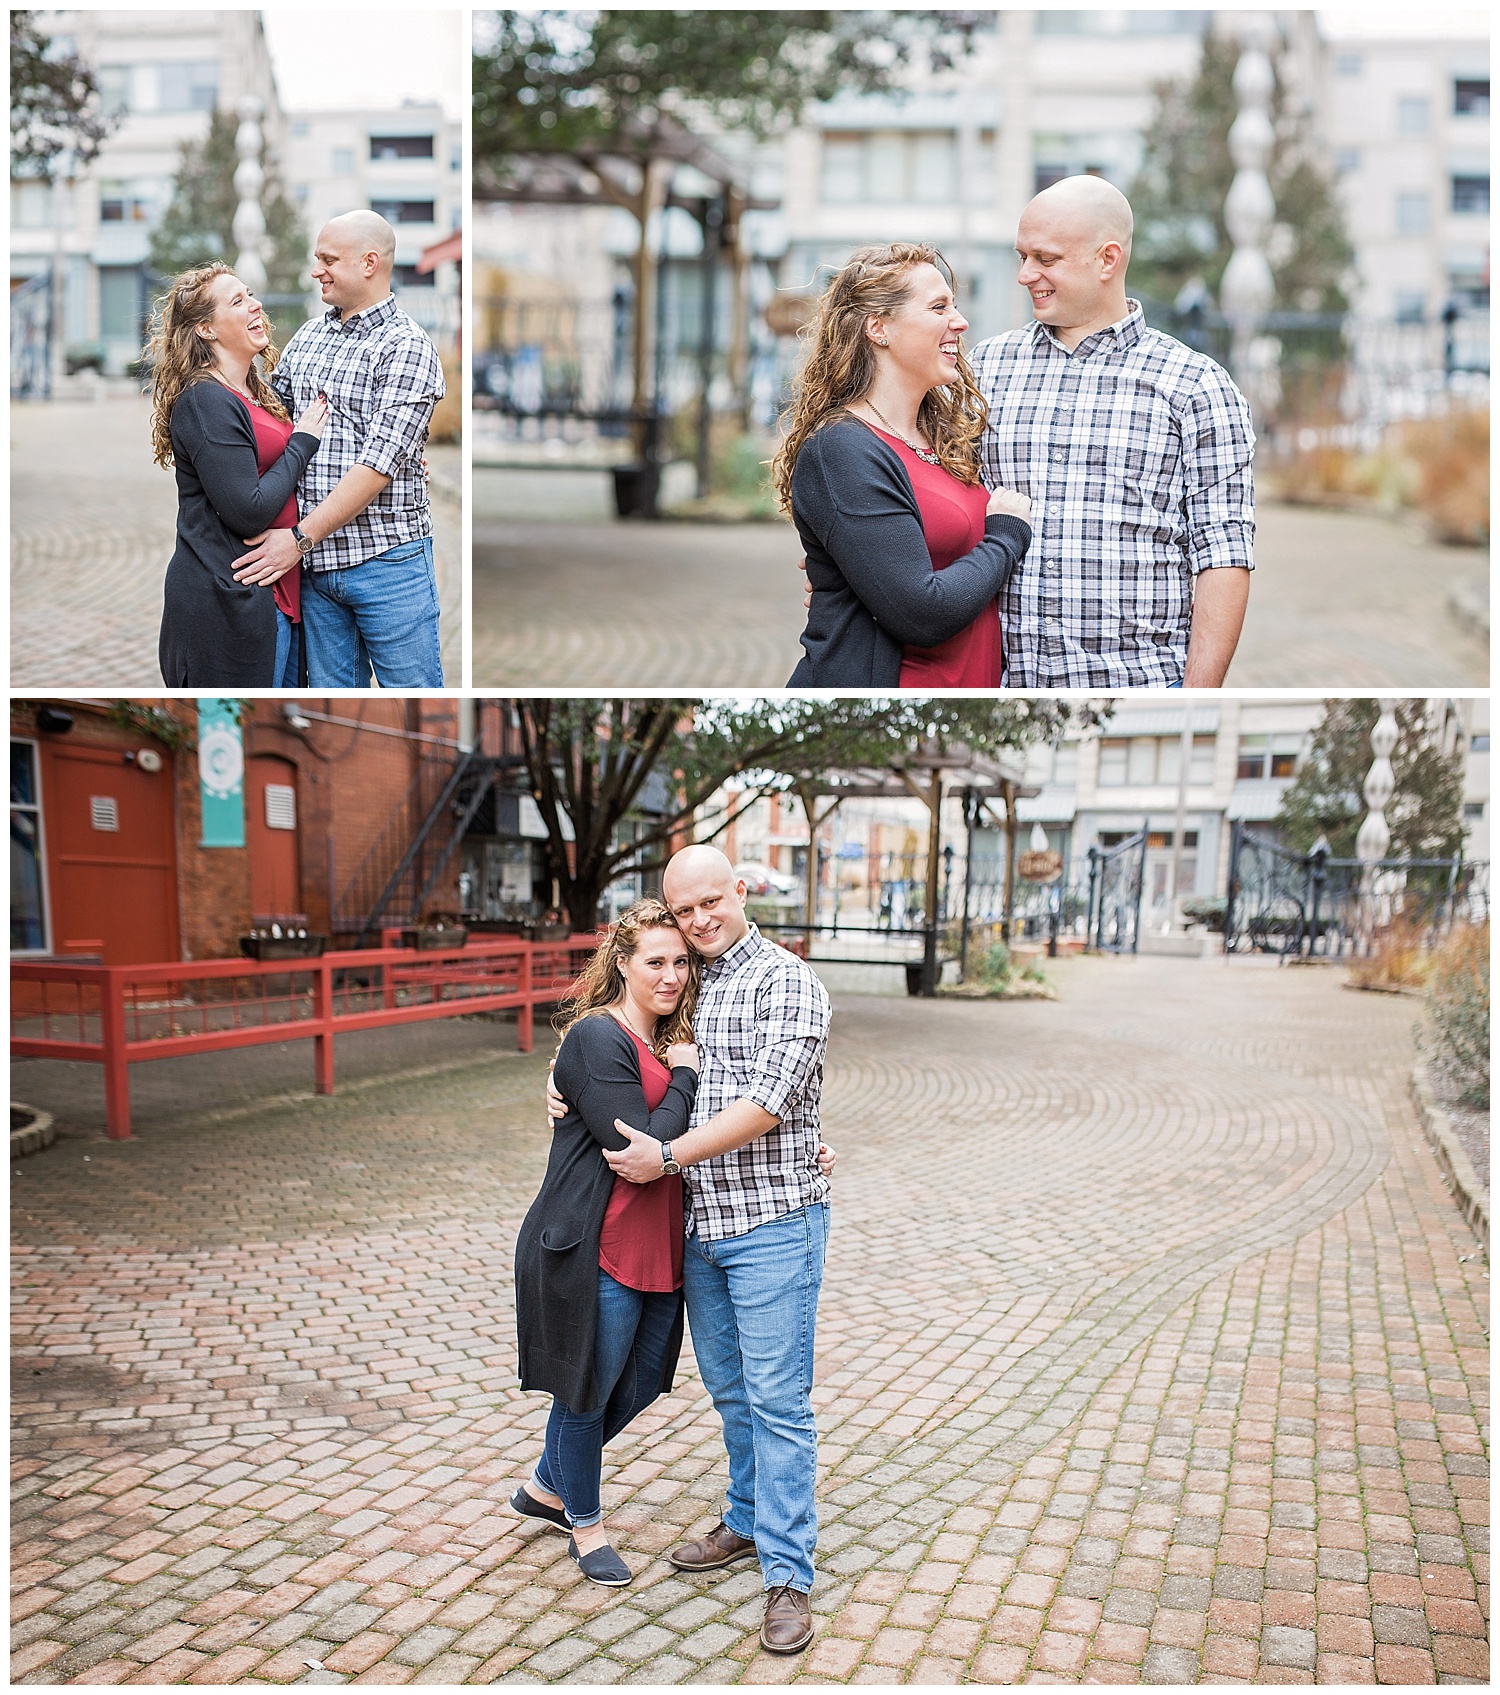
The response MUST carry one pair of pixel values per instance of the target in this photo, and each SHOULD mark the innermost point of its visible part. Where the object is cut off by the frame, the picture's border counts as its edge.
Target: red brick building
(356, 814)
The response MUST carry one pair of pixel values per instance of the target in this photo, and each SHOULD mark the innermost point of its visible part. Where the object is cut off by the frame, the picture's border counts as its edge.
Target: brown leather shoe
(788, 1626)
(721, 1547)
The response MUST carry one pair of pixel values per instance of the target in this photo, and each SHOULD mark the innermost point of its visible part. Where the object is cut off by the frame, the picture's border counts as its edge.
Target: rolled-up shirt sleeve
(1218, 445)
(410, 387)
(793, 1014)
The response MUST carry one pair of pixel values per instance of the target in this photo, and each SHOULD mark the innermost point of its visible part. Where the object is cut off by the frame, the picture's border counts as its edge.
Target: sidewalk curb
(32, 1138)
(1437, 1125)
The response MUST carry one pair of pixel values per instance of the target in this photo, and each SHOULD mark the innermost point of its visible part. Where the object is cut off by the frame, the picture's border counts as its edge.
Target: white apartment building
(166, 71)
(404, 162)
(1098, 789)
(1407, 124)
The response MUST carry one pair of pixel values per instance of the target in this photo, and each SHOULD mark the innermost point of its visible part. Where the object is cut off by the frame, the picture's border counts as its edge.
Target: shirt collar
(1125, 333)
(362, 323)
(734, 957)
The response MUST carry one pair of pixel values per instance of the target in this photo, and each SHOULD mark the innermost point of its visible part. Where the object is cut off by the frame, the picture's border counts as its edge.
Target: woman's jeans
(288, 652)
(630, 1348)
(752, 1303)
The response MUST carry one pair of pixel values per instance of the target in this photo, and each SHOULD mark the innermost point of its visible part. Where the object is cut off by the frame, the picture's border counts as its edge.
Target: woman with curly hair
(238, 459)
(879, 469)
(598, 1258)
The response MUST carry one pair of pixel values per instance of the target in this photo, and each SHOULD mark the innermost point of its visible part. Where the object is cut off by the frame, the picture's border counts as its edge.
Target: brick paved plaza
(1151, 1350)
(92, 522)
(1339, 600)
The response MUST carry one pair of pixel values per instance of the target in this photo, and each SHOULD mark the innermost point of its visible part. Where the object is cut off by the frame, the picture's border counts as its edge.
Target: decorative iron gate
(1117, 876)
(1313, 905)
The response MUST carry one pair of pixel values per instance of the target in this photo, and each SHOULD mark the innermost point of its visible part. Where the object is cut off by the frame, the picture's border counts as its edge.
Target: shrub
(1458, 998)
(1451, 457)
(995, 966)
(1398, 959)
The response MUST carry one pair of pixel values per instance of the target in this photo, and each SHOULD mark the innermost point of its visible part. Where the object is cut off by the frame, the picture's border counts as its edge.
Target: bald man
(363, 541)
(757, 1231)
(1135, 451)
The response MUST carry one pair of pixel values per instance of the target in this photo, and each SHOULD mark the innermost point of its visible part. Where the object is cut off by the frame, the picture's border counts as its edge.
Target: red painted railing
(116, 1015)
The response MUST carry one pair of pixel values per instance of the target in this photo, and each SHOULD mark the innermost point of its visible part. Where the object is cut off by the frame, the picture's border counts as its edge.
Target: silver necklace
(921, 452)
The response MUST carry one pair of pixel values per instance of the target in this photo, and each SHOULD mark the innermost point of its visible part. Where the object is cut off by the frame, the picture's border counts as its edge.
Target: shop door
(111, 854)
(275, 862)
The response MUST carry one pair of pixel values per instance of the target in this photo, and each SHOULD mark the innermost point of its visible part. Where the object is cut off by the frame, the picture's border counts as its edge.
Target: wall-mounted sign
(221, 774)
(1039, 867)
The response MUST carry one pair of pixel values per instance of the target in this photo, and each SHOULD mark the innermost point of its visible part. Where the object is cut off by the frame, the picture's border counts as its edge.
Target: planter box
(430, 941)
(283, 947)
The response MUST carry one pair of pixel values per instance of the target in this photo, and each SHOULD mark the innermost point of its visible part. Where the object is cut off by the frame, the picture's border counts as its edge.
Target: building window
(30, 205)
(1471, 195)
(120, 302)
(1268, 756)
(1146, 761)
(123, 203)
(405, 211)
(1065, 764)
(343, 161)
(1471, 97)
(408, 276)
(1473, 810)
(28, 909)
(187, 87)
(1411, 306)
(1480, 744)
(114, 87)
(1346, 160)
(891, 167)
(400, 146)
(1412, 213)
(1348, 65)
(1412, 114)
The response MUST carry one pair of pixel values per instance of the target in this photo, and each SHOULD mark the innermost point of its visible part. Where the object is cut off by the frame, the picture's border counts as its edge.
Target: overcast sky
(1406, 22)
(332, 58)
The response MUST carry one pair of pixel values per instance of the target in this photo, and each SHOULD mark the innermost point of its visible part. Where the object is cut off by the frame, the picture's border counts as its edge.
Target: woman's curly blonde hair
(840, 365)
(601, 983)
(180, 357)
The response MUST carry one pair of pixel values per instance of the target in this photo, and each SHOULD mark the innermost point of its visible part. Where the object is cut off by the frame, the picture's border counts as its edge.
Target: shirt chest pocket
(347, 383)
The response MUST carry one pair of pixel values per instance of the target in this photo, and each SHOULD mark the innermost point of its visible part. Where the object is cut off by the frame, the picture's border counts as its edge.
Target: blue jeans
(752, 1302)
(288, 652)
(630, 1346)
(380, 614)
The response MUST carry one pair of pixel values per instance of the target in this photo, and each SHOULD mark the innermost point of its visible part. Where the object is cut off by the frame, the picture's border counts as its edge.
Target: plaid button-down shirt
(382, 377)
(762, 1025)
(1136, 453)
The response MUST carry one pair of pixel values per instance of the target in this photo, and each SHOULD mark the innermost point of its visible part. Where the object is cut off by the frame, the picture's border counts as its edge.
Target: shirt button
(1059, 456)
(1051, 564)
(1051, 623)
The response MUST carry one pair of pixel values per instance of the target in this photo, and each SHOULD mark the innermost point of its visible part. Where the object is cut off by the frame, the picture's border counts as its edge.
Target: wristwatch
(305, 544)
(669, 1166)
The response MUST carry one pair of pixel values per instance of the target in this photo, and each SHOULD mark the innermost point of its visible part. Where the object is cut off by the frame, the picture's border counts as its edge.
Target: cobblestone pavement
(1151, 1350)
(1339, 601)
(92, 522)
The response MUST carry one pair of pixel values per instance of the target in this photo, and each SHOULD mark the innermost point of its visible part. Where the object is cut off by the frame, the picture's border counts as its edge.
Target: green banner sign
(221, 774)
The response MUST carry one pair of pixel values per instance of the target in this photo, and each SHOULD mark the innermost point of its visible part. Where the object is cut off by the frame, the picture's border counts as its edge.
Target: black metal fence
(1312, 905)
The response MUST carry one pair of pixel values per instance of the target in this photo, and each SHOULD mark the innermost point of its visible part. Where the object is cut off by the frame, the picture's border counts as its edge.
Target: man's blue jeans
(381, 615)
(630, 1347)
(752, 1303)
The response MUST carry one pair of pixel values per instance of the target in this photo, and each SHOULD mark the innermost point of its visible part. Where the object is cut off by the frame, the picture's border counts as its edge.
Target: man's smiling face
(707, 900)
(1061, 266)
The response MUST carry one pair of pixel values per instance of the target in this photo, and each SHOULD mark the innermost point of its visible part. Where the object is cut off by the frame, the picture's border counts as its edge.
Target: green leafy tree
(602, 90)
(55, 106)
(198, 225)
(1425, 813)
(1186, 170)
(593, 763)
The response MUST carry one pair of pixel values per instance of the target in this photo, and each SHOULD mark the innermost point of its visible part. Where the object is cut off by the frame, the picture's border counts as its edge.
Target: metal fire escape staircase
(392, 883)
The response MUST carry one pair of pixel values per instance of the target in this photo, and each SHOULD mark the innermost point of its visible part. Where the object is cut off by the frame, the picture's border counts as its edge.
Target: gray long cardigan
(598, 1073)
(874, 589)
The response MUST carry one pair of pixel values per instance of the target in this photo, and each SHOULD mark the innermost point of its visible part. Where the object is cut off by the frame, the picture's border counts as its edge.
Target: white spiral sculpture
(1248, 288)
(249, 180)
(1380, 784)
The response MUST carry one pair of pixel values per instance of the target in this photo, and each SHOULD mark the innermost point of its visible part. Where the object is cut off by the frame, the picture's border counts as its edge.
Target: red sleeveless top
(952, 525)
(271, 437)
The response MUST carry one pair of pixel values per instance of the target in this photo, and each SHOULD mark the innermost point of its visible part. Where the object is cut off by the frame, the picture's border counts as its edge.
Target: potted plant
(278, 940)
(438, 930)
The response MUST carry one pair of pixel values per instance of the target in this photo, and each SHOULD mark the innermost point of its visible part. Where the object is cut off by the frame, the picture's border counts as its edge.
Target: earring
(884, 342)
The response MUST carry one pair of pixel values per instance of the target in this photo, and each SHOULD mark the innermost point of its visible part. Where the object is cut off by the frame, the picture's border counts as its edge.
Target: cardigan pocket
(561, 1239)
